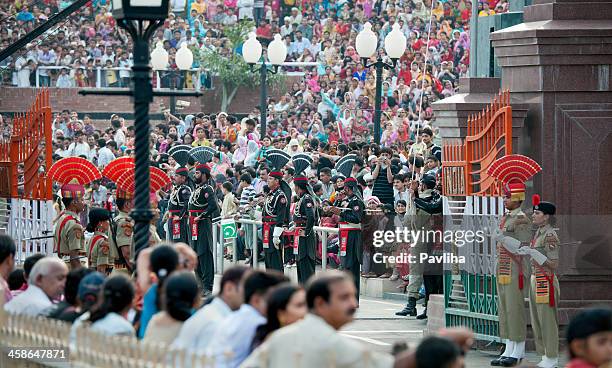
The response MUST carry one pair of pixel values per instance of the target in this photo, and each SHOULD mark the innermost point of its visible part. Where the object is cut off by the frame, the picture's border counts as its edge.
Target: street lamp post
(366, 44)
(140, 18)
(183, 59)
(277, 53)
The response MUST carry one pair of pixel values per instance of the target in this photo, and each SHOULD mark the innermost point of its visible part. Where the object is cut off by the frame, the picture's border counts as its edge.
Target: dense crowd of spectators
(315, 31)
(388, 173)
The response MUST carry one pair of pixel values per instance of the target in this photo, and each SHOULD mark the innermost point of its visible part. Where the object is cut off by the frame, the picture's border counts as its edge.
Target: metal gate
(471, 202)
(27, 210)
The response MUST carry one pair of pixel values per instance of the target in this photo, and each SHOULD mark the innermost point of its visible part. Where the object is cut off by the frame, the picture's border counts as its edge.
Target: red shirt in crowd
(264, 31)
(405, 75)
(343, 28)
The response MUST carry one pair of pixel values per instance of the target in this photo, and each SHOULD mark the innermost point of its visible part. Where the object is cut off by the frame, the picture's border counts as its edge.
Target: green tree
(227, 66)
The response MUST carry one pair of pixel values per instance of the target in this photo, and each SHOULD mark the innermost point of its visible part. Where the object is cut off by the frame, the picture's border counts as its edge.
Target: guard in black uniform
(275, 211)
(274, 217)
(305, 218)
(178, 221)
(203, 208)
(351, 215)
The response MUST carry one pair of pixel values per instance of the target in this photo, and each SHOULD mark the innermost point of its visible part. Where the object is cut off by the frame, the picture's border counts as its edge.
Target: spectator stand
(472, 201)
(24, 158)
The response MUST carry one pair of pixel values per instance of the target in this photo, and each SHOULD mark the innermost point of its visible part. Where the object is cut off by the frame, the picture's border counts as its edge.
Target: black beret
(546, 208)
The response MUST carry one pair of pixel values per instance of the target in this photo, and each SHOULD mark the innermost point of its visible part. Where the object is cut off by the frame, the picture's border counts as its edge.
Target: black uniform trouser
(433, 285)
(306, 257)
(352, 261)
(205, 269)
(272, 256)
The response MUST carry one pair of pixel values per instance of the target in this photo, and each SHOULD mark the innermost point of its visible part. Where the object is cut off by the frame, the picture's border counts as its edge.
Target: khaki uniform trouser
(511, 309)
(416, 271)
(544, 322)
(123, 271)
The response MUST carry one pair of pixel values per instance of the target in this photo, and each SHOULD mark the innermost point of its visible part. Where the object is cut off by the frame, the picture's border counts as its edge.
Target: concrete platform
(377, 288)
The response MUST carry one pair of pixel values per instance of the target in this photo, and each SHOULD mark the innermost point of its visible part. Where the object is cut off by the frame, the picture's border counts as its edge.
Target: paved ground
(377, 326)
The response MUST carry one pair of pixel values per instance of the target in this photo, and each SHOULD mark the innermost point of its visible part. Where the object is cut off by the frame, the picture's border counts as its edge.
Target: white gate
(470, 288)
(31, 226)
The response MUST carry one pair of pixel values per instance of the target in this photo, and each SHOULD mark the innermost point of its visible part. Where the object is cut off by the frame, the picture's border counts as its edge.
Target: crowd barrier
(323, 233)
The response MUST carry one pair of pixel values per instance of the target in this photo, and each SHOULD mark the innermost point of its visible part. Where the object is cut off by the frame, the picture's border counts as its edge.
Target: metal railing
(197, 73)
(322, 232)
(100, 77)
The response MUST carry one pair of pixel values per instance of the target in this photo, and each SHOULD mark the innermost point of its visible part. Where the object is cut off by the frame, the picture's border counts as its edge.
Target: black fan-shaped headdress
(180, 154)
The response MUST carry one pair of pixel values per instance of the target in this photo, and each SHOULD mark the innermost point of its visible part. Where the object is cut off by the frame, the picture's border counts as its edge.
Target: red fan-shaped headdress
(159, 179)
(117, 167)
(73, 173)
(513, 171)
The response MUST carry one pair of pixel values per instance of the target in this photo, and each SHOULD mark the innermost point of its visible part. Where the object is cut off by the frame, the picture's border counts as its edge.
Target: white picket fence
(30, 224)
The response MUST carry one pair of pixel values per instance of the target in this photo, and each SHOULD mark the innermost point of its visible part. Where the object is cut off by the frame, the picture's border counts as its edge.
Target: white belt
(350, 226)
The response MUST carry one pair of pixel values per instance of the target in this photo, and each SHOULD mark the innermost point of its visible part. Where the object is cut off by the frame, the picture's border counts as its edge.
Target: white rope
(410, 206)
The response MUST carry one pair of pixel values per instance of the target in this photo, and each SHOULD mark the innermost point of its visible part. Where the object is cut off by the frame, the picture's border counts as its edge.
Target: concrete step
(458, 297)
(458, 305)
(375, 287)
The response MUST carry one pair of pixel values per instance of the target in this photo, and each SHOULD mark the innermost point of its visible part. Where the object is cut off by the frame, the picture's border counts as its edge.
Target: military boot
(409, 309)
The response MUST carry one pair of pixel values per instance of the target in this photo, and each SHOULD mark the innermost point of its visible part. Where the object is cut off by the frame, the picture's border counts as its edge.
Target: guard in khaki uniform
(122, 229)
(544, 292)
(73, 173)
(98, 245)
(124, 177)
(427, 203)
(512, 267)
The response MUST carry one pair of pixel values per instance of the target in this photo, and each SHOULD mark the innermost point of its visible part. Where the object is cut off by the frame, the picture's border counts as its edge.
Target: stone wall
(19, 100)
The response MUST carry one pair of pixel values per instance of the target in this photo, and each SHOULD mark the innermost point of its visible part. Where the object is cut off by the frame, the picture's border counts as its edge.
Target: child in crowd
(589, 339)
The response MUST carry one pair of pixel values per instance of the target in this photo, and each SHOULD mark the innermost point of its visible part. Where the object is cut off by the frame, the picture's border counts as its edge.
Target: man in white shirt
(105, 155)
(286, 28)
(99, 193)
(45, 284)
(260, 182)
(197, 332)
(93, 152)
(117, 124)
(325, 176)
(126, 64)
(301, 43)
(315, 341)
(79, 147)
(399, 190)
(231, 343)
